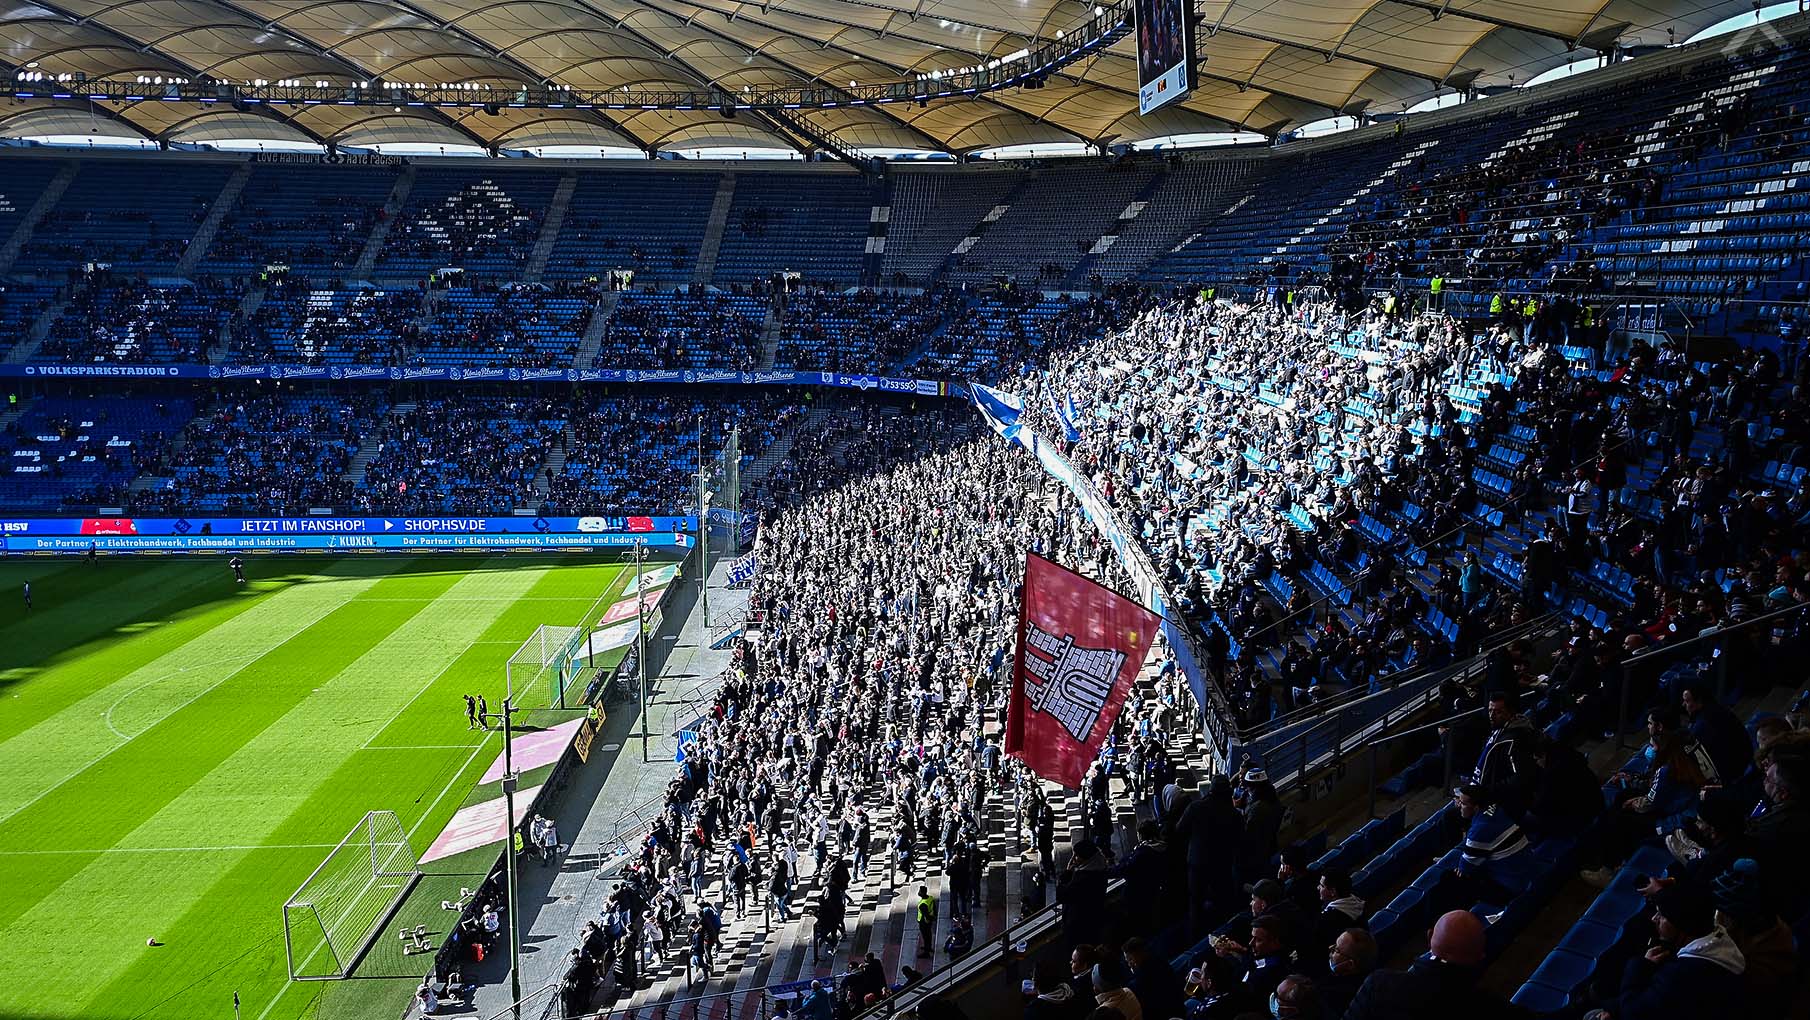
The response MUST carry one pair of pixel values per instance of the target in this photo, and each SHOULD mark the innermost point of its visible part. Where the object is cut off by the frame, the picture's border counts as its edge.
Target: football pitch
(177, 753)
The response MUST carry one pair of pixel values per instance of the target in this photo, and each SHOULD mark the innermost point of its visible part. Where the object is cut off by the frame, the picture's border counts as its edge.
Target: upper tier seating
(484, 223)
(775, 225)
(313, 219)
(131, 215)
(647, 222)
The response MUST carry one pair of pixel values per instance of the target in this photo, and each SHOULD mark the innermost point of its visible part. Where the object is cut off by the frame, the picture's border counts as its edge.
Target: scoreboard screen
(1165, 72)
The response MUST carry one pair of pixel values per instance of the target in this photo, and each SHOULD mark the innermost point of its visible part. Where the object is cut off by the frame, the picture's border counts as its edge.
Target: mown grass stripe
(274, 774)
(117, 792)
(434, 715)
(54, 654)
(40, 758)
(294, 776)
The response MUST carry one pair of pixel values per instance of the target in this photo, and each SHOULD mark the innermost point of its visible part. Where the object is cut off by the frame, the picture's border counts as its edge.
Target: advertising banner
(378, 373)
(30, 543)
(479, 825)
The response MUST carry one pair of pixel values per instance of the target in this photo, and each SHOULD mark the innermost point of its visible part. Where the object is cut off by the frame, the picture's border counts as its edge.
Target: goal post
(551, 659)
(340, 909)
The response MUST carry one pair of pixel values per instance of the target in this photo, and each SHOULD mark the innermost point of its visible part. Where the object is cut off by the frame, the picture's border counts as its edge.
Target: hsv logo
(109, 526)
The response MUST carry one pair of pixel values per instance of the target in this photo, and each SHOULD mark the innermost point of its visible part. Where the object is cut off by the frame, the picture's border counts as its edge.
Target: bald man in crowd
(1442, 983)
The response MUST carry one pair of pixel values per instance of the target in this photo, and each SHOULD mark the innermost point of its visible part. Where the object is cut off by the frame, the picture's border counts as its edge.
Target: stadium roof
(1266, 65)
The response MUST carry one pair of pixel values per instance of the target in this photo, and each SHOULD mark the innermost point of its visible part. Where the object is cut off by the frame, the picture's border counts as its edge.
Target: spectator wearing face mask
(1349, 960)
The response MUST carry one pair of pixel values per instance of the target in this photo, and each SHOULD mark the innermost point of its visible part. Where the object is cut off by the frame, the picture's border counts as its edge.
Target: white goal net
(331, 921)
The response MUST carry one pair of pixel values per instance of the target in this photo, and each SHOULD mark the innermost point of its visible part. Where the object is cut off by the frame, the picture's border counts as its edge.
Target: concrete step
(355, 469)
(210, 224)
(549, 229)
(713, 231)
(53, 193)
(592, 340)
(392, 208)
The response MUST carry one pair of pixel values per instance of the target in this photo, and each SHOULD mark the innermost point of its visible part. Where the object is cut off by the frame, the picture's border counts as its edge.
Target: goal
(552, 660)
(340, 909)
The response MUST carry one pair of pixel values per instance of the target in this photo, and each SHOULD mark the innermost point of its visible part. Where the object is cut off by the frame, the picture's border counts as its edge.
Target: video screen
(1164, 70)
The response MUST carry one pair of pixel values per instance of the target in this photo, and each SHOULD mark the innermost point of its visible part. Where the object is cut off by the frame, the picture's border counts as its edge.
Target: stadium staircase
(210, 225)
(554, 465)
(979, 230)
(13, 414)
(878, 222)
(392, 208)
(758, 955)
(771, 330)
(47, 200)
(549, 230)
(592, 340)
(781, 447)
(248, 306)
(355, 470)
(40, 328)
(713, 231)
(1077, 277)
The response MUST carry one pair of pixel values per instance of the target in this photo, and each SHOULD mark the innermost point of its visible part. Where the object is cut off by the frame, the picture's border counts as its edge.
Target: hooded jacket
(1056, 1004)
(1123, 1000)
(1702, 979)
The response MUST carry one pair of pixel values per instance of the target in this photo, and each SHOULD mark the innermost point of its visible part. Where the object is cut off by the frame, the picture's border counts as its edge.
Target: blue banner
(377, 373)
(208, 526)
(16, 543)
(743, 568)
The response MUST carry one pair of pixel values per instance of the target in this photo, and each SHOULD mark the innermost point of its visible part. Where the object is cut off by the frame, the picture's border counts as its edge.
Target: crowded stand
(264, 454)
(123, 321)
(638, 453)
(460, 455)
(855, 746)
(1396, 429)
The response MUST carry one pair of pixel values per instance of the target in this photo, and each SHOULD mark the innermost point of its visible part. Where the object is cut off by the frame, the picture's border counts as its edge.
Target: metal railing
(1708, 650)
(1295, 755)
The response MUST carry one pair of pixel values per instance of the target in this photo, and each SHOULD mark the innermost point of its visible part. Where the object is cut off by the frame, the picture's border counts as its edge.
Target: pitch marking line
(289, 983)
(167, 715)
(172, 849)
(108, 716)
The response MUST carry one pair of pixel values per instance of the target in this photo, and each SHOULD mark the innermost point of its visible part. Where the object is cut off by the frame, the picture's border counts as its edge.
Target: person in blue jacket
(1494, 863)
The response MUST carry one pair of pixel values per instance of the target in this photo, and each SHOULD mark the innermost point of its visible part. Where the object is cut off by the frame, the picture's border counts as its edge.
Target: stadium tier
(1358, 574)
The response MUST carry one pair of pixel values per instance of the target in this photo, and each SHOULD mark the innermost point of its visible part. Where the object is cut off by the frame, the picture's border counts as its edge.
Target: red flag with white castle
(1080, 646)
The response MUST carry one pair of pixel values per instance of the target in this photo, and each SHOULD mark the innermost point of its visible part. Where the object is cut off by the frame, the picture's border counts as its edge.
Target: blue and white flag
(1065, 413)
(1001, 409)
(743, 568)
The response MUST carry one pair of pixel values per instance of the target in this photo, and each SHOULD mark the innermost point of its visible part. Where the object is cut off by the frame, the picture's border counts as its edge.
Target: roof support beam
(1443, 9)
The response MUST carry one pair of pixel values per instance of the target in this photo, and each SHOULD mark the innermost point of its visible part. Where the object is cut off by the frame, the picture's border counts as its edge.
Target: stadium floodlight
(339, 909)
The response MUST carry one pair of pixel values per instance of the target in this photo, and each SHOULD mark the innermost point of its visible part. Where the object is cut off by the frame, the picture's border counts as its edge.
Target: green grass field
(178, 753)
